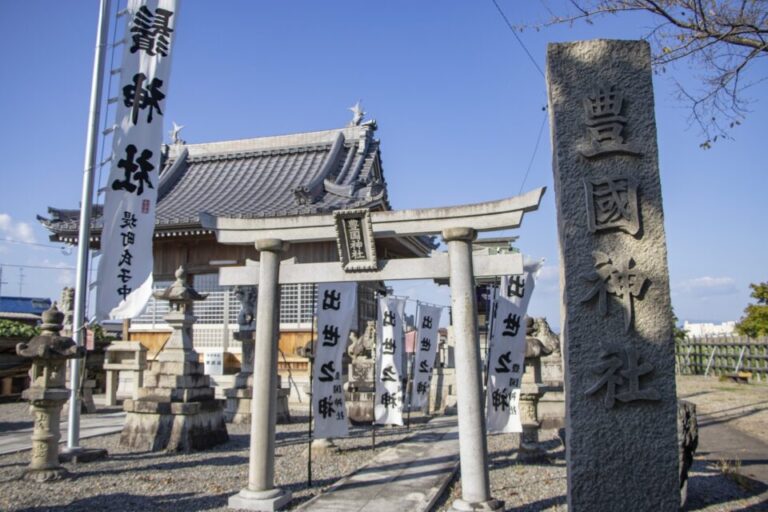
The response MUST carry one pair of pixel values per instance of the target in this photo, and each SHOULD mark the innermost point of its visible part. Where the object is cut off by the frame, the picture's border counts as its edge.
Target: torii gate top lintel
(486, 216)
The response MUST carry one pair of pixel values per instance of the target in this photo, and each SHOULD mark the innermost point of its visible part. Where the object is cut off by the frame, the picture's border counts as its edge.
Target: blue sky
(457, 101)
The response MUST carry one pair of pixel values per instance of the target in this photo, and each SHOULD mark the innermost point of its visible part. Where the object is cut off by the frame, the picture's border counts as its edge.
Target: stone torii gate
(355, 231)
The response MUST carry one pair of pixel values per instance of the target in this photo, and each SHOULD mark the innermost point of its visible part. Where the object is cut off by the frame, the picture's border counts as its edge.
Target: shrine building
(286, 175)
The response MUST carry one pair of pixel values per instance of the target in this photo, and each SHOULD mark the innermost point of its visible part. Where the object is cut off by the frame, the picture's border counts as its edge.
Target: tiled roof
(295, 174)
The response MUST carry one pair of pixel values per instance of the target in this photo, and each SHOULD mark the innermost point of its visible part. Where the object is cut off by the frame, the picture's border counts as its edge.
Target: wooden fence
(722, 355)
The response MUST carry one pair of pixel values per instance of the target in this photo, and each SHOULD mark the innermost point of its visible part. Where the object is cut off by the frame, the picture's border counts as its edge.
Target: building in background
(698, 330)
(288, 175)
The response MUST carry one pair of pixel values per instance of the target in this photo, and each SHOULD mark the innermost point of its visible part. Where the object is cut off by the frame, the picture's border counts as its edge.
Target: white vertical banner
(124, 282)
(428, 321)
(336, 311)
(506, 357)
(390, 374)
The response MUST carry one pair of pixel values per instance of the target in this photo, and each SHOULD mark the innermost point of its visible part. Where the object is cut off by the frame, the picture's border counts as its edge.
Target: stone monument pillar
(176, 409)
(617, 318)
(47, 393)
(261, 493)
(473, 447)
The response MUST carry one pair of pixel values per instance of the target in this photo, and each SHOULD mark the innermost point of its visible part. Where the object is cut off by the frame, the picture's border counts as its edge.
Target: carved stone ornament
(605, 124)
(354, 238)
(612, 204)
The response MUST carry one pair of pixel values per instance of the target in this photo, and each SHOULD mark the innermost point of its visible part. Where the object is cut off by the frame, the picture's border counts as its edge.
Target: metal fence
(722, 355)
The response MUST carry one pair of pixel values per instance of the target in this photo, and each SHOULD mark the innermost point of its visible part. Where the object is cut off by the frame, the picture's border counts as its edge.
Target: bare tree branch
(720, 38)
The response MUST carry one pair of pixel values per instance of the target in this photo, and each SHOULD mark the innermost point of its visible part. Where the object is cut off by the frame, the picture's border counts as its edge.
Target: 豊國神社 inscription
(622, 279)
(612, 204)
(621, 405)
(605, 124)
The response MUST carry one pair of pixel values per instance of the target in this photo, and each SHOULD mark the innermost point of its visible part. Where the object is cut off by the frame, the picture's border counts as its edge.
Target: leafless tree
(721, 39)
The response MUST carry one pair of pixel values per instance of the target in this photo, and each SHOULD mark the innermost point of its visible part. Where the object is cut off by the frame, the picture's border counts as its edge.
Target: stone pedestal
(176, 409)
(47, 393)
(238, 406)
(360, 391)
(530, 393)
(127, 356)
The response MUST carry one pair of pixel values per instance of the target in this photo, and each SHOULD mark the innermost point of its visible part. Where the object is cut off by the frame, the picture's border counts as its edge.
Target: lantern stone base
(174, 412)
(45, 475)
(360, 406)
(238, 406)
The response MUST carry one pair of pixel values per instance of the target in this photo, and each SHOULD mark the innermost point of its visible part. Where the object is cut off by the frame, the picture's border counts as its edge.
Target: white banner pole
(84, 233)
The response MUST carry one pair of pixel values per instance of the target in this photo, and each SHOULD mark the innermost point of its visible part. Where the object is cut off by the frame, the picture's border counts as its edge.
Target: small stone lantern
(47, 393)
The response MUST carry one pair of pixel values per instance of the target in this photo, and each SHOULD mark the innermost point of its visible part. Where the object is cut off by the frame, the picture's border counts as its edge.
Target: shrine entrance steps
(408, 477)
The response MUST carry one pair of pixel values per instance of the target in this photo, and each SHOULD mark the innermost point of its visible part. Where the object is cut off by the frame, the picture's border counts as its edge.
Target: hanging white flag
(390, 374)
(428, 321)
(506, 356)
(336, 311)
(125, 269)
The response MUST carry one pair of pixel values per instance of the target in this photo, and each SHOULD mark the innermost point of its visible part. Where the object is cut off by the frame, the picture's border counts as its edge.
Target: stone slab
(617, 319)
(408, 477)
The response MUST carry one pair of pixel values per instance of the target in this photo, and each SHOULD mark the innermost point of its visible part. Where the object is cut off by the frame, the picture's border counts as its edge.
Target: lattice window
(155, 310)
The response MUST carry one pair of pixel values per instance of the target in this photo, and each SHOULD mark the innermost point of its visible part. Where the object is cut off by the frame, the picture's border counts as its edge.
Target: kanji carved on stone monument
(612, 204)
(605, 124)
(622, 280)
(621, 368)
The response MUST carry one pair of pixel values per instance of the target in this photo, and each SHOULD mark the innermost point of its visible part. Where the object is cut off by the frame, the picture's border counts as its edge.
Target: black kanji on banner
(137, 97)
(137, 171)
(150, 31)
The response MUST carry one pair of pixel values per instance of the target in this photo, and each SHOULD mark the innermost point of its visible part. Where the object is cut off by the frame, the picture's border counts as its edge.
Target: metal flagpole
(311, 397)
(84, 233)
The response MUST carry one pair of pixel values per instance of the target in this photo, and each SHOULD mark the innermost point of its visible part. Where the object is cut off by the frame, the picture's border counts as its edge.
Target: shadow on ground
(189, 502)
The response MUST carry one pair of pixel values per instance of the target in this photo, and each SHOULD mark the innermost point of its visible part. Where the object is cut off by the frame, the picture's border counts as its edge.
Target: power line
(38, 267)
(512, 29)
(12, 241)
(535, 149)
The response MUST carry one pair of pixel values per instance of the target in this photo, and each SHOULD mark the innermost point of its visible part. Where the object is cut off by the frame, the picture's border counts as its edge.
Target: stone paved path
(91, 425)
(407, 477)
(718, 441)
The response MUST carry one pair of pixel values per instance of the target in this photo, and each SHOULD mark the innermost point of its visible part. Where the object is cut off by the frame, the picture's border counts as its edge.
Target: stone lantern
(531, 390)
(176, 410)
(47, 393)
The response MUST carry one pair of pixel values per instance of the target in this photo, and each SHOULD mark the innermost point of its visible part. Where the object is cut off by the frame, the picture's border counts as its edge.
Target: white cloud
(549, 273)
(707, 286)
(20, 231)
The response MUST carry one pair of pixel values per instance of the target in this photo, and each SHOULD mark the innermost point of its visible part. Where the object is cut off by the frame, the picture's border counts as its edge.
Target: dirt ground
(742, 406)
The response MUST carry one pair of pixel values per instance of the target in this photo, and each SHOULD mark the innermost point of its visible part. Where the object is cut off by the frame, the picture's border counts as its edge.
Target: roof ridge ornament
(357, 114)
(174, 133)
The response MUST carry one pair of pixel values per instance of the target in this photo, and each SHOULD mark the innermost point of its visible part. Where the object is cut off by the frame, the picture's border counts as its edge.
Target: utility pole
(21, 281)
(1, 281)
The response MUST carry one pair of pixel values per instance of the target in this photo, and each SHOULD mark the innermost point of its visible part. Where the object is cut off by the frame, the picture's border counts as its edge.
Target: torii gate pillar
(261, 493)
(473, 447)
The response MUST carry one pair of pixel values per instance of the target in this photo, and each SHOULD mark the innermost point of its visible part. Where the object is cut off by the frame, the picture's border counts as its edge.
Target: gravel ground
(205, 480)
(189, 482)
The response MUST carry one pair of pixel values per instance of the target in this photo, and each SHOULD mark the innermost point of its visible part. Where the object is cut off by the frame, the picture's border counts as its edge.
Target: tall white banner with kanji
(428, 321)
(506, 357)
(390, 367)
(336, 311)
(124, 282)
